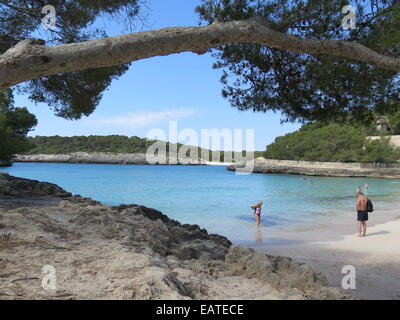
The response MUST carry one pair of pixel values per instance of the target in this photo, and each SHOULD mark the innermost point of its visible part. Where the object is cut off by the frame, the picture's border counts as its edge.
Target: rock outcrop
(5, 163)
(281, 273)
(132, 252)
(313, 168)
(13, 187)
(107, 158)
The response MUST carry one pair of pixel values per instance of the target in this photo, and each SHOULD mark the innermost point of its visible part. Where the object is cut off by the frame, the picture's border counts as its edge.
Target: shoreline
(326, 169)
(108, 158)
(132, 252)
(335, 228)
(261, 165)
(4, 163)
(329, 248)
(79, 224)
(123, 159)
(211, 163)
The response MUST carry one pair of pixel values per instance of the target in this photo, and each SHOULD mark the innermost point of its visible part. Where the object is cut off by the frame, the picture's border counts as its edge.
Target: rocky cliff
(94, 157)
(131, 252)
(336, 169)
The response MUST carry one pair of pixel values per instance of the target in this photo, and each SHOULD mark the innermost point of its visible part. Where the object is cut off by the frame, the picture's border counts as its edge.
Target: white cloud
(145, 118)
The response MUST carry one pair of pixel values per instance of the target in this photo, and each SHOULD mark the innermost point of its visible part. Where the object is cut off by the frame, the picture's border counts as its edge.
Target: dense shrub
(112, 144)
(15, 123)
(332, 142)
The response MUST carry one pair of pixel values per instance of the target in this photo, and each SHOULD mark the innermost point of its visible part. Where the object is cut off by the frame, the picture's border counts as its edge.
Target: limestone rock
(281, 273)
(313, 168)
(111, 158)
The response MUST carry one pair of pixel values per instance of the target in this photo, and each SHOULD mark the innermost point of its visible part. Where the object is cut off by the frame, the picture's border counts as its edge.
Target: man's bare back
(361, 203)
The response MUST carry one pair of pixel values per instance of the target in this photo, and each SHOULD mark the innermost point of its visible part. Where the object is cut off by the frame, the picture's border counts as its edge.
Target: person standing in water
(362, 214)
(257, 212)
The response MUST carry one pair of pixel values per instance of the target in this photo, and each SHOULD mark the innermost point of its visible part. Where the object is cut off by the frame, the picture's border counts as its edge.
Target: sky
(181, 87)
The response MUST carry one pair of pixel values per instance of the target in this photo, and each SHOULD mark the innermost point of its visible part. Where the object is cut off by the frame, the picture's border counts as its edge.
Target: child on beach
(257, 212)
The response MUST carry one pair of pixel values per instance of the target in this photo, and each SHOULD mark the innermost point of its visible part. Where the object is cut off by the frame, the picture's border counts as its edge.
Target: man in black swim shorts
(362, 214)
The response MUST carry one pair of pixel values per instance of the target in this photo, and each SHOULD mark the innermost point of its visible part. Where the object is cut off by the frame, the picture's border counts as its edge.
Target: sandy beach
(375, 257)
(214, 163)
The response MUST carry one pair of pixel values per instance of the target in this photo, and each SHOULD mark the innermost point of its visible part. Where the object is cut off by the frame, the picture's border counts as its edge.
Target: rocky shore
(131, 252)
(4, 163)
(335, 169)
(107, 158)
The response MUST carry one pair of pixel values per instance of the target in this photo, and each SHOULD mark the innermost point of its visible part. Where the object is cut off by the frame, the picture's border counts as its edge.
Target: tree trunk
(29, 59)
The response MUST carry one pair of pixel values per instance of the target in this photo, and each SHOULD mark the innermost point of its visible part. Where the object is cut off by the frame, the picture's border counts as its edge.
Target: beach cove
(93, 251)
(214, 198)
(312, 223)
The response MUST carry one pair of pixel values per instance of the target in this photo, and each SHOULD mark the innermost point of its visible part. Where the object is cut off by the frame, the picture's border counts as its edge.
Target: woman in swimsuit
(257, 212)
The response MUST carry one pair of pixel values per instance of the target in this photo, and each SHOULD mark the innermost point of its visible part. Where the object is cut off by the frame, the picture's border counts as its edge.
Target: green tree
(394, 121)
(15, 123)
(308, 81)
(332, 142)
(309, 87)
(77, 93)
(379, 151)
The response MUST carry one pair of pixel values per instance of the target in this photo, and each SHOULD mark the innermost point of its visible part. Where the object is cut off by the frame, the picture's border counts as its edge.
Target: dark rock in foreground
(17, 187)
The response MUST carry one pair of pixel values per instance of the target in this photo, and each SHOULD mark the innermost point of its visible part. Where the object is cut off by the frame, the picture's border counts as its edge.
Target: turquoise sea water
(211, 196)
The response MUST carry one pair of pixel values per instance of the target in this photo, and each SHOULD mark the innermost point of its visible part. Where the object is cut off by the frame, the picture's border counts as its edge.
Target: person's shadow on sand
(376, 233)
